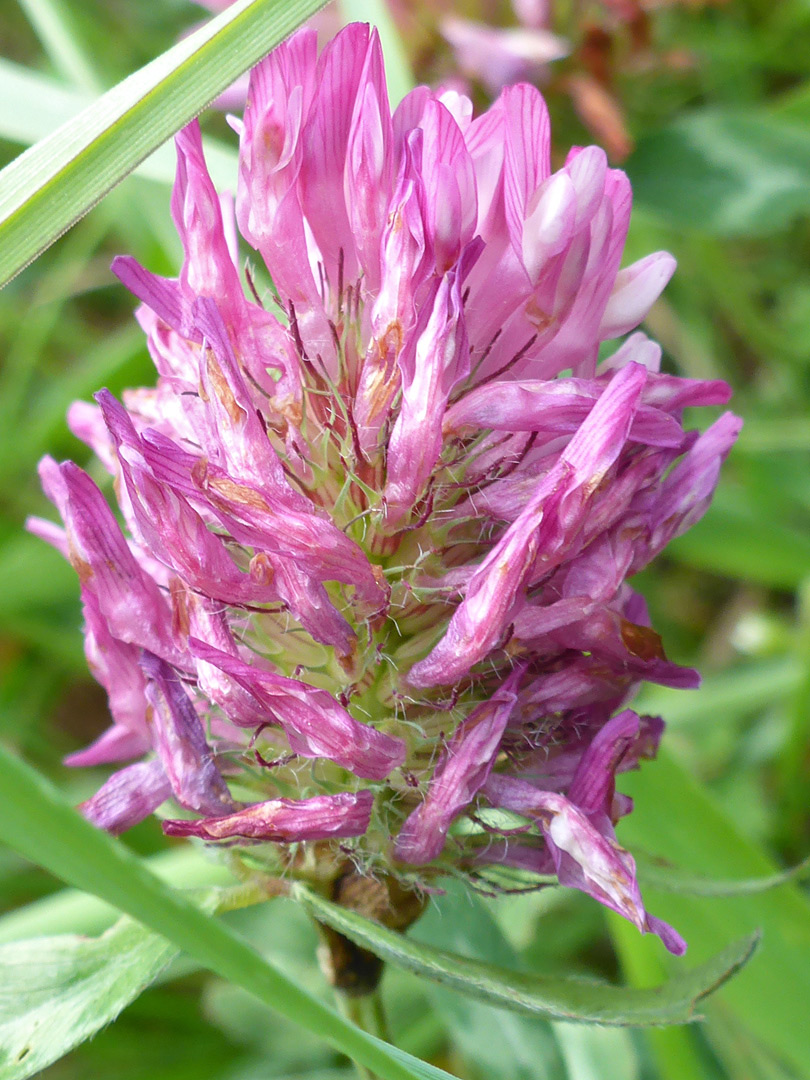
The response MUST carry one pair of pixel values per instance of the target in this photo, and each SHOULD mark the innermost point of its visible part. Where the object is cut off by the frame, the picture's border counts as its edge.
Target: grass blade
(35, 105)
(39, 825)
(50, 186)
(52, 25)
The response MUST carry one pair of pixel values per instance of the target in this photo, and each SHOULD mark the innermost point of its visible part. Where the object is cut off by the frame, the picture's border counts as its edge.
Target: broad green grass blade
(56, 992)
(728, 173)
(38, 824)
(562, 998)
(677, 819)
(48, 188)
(736, 539)
(740, 691)
(34, 106)
(76, 912)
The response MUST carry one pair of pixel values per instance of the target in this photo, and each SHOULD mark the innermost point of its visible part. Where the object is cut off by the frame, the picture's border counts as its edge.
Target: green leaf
(58, 991)
(676, 818)
(558, 997)
(48, 188)
(728, 173)
(38, 824)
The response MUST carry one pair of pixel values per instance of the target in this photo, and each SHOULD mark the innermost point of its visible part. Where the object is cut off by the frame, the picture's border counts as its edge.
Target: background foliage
(718, 104)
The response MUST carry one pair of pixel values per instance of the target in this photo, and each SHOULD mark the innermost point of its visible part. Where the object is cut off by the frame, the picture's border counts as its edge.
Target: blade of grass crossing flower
(76, 912)
(35, 105)
(48, 188)
(38, 824)
(561, 998)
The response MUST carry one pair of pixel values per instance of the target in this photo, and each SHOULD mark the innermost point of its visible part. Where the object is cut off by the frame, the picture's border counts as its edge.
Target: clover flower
(369, 607)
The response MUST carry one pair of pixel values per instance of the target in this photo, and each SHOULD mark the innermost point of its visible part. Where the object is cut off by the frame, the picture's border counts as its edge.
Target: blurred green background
(715, 99)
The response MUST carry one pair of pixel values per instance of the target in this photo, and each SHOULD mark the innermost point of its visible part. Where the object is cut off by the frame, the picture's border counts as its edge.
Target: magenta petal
(127, 597)
(162, 295)
(594, 783)
(636, 289)
(115, 744)
(460, 774)
(430, 370)
(180, 742)
(128, 797)
(286, 821)
(584, 858)
(316, 725)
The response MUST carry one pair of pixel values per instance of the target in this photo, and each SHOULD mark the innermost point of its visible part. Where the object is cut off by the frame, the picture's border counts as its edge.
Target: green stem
(368, 1013)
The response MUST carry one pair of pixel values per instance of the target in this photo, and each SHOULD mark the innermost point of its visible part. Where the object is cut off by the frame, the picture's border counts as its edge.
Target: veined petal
(129, 796)
(208, 269)
(128, 599)
(636, 289)
(437, 360)
(286, 821)
(584, 859)
(460, 774)
(316, 725)
(180, 742)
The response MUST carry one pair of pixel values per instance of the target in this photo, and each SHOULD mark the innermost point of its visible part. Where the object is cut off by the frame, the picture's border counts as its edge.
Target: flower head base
(381, 507)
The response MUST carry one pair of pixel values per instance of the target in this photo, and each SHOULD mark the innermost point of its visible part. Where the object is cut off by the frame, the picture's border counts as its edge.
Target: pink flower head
(381, 504)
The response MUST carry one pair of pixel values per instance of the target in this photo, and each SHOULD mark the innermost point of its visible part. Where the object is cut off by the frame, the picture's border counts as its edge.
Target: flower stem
(367, 1012)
